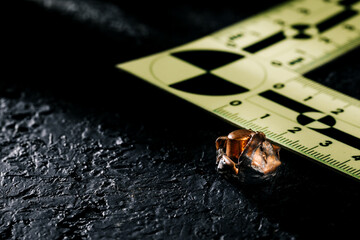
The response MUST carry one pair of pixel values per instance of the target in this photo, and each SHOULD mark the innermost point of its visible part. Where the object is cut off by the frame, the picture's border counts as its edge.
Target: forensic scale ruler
(251, 75)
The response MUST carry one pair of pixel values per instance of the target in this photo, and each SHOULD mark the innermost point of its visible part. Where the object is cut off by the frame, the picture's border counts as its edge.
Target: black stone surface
(89, 152)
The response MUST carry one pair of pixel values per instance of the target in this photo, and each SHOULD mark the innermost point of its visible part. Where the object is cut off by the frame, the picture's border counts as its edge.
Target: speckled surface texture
(89, 152)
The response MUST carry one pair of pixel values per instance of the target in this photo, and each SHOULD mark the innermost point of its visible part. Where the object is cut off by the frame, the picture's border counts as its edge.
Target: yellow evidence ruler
(251, 75)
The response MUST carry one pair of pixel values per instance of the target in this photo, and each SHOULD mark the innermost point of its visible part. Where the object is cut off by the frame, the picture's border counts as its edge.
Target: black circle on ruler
(316, 120)
(210, 69)
(279, 85)
(235, 103)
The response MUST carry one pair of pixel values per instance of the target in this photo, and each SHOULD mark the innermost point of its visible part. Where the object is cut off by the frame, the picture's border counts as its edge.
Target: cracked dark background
(90, 152)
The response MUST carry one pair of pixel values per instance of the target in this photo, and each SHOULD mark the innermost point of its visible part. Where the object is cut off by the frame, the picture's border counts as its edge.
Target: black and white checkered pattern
(208, 72)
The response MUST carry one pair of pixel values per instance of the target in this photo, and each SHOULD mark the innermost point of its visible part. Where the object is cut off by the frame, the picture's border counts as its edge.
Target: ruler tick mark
(353, 170)
(313, 148)
(294, 142)
(282, 134)
(345, 168)
(343, 163)
(331, 161)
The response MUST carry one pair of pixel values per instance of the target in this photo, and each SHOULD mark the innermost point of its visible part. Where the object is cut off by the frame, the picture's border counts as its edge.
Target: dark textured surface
(90, 152)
